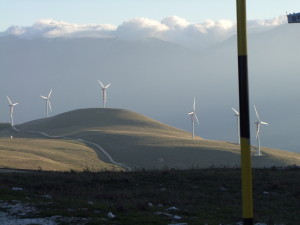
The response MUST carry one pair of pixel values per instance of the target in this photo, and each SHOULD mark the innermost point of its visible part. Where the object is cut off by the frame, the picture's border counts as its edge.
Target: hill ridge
(142, 142)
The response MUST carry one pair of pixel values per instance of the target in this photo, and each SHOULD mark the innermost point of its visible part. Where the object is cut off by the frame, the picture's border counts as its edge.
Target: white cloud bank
(173, 29)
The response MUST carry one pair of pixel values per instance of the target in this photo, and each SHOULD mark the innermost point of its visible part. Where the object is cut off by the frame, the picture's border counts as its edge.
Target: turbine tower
(258, 123)
(237, 115)
(11, 109)
(48, 103)
(193, 118)
(103, 92)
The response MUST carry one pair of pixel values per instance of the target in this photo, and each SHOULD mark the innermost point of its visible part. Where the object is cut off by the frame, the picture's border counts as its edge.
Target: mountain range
(158, 79)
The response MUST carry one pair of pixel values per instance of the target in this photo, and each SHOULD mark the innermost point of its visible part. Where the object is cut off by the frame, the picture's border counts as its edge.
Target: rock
(223, 189)
(172, 208)
(17, 189)
(177, 217)
(163, 213)
(111, 215)
(47, 196)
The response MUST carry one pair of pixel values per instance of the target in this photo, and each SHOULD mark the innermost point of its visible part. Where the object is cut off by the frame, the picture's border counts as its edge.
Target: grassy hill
(45, 154)
(141, 142)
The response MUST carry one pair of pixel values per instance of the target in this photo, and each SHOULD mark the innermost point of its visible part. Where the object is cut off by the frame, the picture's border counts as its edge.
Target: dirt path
(96, 146)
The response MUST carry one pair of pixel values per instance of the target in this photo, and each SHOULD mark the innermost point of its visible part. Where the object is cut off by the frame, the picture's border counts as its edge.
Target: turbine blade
(264, 123)
(256, 112)
(9, 100)
(49, 94)
(49, 103)
(101, 84)
(15, 104)
(107, 85)
(196, 118)
(191, 113)
(44, 97)
(236, 112)
(194, 106)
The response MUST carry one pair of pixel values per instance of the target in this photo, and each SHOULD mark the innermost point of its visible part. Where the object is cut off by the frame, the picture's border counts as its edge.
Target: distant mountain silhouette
(158, 79)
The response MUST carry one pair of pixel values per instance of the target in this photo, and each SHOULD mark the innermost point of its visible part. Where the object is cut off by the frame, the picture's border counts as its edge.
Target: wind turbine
(258, 123)
(193, 117)
(103, 92)
(237, 115)
(11, 109)
(48, 103)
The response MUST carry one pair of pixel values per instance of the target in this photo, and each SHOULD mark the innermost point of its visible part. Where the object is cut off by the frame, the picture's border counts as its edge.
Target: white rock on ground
(111, 215)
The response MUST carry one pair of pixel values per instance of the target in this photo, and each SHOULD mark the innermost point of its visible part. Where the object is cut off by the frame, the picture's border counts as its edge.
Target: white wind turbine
(237, 115)
(11, 109)
(103, 92)
(48, 103)
(193, 118)
(258, 123)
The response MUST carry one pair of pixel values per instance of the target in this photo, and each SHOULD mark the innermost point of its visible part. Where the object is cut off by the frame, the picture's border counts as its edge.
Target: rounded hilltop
(141, 142)
(100, 118)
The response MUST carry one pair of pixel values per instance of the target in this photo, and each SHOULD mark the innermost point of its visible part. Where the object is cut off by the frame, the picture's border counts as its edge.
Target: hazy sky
(115, 12)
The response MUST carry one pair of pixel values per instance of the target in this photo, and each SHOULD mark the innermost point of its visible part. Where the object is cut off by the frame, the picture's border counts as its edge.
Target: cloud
(173, 29)
(263, 25)
(49, 28)
(140, 28)
(198, 35)
(175, 23)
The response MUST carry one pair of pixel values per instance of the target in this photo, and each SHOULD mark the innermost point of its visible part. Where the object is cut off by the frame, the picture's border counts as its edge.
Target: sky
(115, 12)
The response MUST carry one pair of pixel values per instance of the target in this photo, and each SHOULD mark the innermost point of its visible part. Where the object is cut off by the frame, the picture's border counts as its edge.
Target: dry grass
(141, 142)
(45, 154)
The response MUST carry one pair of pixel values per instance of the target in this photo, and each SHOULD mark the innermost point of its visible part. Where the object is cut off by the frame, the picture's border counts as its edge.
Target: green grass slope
(141, 142)
(46, 154)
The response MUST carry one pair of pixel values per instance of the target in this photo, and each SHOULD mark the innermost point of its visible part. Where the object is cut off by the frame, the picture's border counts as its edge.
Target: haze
(156, 68)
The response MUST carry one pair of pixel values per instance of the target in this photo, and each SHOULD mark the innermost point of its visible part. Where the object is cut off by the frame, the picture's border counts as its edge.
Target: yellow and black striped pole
(244, 113)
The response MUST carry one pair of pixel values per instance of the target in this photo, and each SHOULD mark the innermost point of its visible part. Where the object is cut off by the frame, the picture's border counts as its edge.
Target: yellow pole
(244, 113)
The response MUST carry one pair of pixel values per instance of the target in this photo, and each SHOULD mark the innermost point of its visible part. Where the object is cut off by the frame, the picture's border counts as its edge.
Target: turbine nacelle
(103, 92)
(10, 102)
(258, 123)
(103, 86)
(193, 117)
(237, 115)
(11, 109)
(48, 103)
